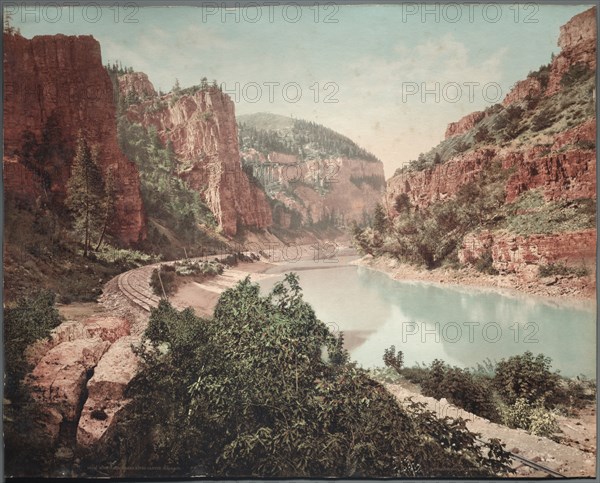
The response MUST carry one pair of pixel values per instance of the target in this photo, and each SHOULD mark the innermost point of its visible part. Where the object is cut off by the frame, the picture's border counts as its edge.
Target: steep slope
(56, 87)
(514, 184)
(199, 125)
(313, 175)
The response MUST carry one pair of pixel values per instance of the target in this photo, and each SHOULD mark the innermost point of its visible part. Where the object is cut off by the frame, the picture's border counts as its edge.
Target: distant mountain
(312, 174)
(271, 132)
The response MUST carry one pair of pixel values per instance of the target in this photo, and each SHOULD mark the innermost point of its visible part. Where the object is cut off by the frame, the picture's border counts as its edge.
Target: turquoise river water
(461, 326)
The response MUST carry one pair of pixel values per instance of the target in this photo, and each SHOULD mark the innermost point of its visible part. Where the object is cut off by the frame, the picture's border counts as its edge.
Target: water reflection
(462, 327)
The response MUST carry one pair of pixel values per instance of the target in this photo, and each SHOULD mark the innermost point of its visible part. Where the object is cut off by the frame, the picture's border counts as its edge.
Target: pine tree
(86, 194)
(380, 219)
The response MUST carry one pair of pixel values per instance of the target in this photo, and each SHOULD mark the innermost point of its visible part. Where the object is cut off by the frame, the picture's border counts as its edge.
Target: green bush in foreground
(527, 377)
(264, 389)
(533, 418)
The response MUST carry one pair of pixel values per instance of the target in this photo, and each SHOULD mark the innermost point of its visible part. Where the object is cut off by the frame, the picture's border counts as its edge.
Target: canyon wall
(336, 190)
(55, 87)
(523, 254)
(561, 163)
(202, 130)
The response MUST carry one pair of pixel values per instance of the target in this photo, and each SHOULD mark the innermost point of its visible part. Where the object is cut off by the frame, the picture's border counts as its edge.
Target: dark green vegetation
(90, 197)
(268, 133)
(264, 389)
(520, 392)
(41, 250)
(29, 320)
(432, 235)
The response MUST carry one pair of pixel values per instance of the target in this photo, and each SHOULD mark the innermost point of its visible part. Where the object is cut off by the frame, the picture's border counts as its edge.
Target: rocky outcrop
(56, 87)
(527, 88)
(523, 254)
(440, 182)
(577, 40)
(136, 84)
(106, 392)
(65, 362)
(202, 130)
(58, 381)
(464, 124)
(565, 171)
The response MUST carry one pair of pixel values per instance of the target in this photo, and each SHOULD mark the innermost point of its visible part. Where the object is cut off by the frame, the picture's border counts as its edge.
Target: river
(462, 326)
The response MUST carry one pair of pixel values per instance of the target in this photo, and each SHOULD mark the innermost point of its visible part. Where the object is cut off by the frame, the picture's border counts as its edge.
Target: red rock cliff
(202, 129)
(562, 165)
(55, 86)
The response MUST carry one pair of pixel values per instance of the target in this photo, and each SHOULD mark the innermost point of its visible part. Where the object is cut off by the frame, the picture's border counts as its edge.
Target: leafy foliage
(527, 377)
(461, 388)
(533, 418)
(432, 235)
(264, 389)
(163, 280)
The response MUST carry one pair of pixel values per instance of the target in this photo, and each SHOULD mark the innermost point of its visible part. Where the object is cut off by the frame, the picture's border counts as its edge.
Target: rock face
(577, 40)
(438, 183)
(464, 124)
(566, 172)
(55, 87)
(202, 131)
(66, 361)
(337, 189)
(136, 83)
(106, 392)
(520, 254)
(562, 168)
(530, 87)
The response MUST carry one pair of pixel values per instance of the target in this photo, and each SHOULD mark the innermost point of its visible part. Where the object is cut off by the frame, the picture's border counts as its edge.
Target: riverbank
(569, 290)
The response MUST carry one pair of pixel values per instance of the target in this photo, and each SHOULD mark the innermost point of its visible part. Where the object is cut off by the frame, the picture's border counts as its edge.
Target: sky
(390, 77)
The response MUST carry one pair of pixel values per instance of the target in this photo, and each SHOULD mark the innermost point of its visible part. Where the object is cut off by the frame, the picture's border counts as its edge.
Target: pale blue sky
(370, 56)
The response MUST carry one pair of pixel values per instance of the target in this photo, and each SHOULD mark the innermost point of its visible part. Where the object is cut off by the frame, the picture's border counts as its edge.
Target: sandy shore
(578, 292)
(192, 294)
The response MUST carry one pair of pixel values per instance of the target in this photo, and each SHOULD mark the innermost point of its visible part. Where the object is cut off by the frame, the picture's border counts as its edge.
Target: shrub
(576, 74)
(526, 377)
(461, 388)
(27, 452)
(586, 144)
(485, 263)
(533, 418)
(561, 269)
(163, 280)
(483, 135)
(545, 118)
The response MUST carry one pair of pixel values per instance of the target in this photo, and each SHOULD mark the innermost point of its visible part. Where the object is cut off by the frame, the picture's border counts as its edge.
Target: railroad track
(531, 464)
(135, 284)
(135, 287)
